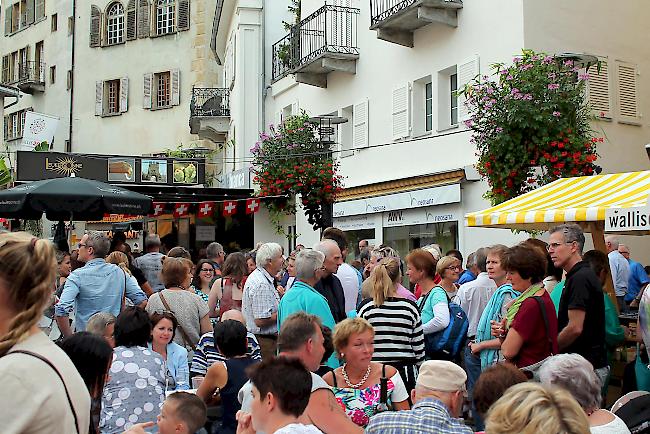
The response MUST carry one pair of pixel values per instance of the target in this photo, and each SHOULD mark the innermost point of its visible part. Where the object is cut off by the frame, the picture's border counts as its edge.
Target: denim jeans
(473, 370)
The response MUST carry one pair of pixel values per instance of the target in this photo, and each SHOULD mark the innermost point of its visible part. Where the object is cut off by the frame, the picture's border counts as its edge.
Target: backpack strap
(58, 373)
(542, 308)
(383, 386)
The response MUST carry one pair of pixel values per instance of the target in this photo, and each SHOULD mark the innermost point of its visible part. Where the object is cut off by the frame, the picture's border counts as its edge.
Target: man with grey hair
(437, 403)
(151, 263)
(581, 314)
(215, 254)
(303, 296)
(103, 324)
(329, 286)
(96, 287)
(261, 298)
(620, 270)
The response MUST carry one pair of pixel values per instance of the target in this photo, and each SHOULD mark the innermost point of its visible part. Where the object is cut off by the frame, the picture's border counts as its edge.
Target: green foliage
(531, 124)
(290, 161)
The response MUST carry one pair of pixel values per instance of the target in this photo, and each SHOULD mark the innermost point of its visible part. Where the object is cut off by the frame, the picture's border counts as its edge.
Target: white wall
(140, 131)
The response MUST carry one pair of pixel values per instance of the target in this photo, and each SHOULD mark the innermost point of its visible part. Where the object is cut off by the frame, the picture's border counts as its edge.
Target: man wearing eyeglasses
(581, 315)
(215, 254)
(95, 287)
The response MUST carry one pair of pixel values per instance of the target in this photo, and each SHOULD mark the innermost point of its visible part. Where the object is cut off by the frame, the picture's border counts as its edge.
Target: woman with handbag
(42, 392)
(189, 309)
(363, 387)
(528, 334)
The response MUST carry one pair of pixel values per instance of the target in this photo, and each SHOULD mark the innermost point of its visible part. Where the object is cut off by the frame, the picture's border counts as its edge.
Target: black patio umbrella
(71, 199)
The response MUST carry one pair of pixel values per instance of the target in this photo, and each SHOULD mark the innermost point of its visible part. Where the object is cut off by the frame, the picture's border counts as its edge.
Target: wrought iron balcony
(28, 76)
(323, 42)
(396, 20)
(210, 113)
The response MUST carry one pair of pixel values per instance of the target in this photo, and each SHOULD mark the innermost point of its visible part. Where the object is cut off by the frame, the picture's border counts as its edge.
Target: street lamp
(327, 127)
(580, 60)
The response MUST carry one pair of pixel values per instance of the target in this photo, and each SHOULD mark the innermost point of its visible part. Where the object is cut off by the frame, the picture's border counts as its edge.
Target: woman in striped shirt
(399, 340)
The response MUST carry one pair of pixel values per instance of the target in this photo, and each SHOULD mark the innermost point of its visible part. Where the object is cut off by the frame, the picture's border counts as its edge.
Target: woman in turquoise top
(433, 304)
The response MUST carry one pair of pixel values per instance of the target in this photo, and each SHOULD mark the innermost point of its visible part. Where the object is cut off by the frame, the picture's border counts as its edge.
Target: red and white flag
(158, 208)
(205, 209)
(252, 205)
(181, 209)
(229, 208)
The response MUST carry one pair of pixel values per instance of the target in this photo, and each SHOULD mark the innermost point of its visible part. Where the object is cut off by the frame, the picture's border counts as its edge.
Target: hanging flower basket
(290, 162)
(531, 124)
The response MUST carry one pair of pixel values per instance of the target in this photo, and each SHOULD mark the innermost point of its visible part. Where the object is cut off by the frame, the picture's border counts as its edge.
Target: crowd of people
(513, 340)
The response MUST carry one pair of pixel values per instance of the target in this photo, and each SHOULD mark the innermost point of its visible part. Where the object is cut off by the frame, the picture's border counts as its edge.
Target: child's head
(182, 412)
(281, 387)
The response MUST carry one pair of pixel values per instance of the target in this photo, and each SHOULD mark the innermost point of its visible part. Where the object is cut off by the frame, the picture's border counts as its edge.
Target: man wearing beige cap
(438, 401)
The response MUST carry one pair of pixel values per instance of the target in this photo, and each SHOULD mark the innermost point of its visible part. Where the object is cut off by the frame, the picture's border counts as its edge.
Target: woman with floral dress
(357, 385)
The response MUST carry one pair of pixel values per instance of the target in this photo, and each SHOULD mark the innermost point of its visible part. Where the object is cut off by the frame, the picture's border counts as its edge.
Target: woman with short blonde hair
(356, 384)
(530, 408)
(399, 340)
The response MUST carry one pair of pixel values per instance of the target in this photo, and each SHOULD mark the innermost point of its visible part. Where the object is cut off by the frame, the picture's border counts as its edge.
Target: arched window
(115, 24)
(165, 16)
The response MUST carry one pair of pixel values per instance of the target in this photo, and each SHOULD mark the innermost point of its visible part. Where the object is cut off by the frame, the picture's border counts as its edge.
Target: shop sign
(356, 222)
(408, 217)
(205, 233)
(237, 179)
(627, 219)
(130, 235)
(393, 202)
(34, 166)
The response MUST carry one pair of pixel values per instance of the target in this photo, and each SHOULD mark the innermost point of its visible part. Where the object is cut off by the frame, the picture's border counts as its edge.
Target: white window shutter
(124, 94)
(278, 118)
(295, 109)
(401, 103)
(628, 107)
(360, 125)
(143, 18)
(95, 26)
(466, 71)
(131, 20)
(146, 96)
(176, 86)
(598, 90)
(8, 20)
(99, 98)
(40, 9)
(30, 11)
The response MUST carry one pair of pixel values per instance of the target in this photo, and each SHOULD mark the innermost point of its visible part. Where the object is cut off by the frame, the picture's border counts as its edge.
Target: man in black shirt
(581, 316)
(330, 286)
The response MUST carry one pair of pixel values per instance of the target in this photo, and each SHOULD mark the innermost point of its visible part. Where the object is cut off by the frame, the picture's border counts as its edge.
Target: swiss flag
(181, 209)
(229, 208)
(252, 205)
(158, 208)
(205, 209)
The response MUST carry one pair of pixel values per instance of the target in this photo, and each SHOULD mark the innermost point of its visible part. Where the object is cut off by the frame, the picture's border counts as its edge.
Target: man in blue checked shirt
(95, 287)
(438, 402)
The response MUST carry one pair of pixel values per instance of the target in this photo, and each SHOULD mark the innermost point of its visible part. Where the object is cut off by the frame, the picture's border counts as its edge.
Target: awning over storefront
(581, 199)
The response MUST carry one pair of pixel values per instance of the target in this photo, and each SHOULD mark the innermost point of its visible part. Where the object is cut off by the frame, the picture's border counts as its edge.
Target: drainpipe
(74, 30)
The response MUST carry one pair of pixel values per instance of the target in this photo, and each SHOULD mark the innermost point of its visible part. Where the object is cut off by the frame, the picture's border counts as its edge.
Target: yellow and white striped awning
(582, 199)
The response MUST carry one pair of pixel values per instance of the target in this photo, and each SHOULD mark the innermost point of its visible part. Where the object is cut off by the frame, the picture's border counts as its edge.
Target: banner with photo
(38, 128)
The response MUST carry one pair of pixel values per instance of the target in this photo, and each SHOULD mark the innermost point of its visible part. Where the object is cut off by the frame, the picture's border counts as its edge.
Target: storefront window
(406, 238)
(354, 237)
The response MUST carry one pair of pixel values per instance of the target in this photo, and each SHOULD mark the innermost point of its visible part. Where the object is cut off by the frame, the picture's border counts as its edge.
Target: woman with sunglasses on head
(175, 356)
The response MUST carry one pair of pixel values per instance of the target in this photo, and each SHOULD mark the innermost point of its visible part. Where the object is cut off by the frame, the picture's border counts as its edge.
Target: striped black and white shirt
(398, 330)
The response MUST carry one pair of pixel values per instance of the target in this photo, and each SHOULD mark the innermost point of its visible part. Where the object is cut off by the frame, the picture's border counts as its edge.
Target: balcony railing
(330, 31)
(210, 102)
(29, 72)
(382, 9)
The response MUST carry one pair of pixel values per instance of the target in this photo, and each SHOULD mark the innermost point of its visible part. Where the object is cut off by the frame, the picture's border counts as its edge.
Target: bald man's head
(233, 314)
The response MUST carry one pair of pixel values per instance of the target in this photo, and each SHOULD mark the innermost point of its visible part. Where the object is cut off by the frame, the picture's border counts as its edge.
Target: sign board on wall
(627, 219)
(419, 216)
(367, 221)
(392, 202)
(205, 233)
(38, 128)
(237, 179)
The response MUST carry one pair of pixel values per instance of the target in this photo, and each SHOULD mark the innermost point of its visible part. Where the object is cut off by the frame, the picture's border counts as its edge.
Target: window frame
(163, 93)
(115, 23)
(453, 101)
(165, 17)
(428, 106)
(111, 90)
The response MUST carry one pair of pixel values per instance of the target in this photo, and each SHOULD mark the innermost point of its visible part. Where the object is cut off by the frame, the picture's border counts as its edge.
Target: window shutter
(628, 108)
(99, 98)
(143, 18)
(5, 69)
(176, 85)
(40, 9)
(8, 20)
(30, 11)
(6, 129)
(278, 118)
(295, 109)
(124, 94)
(466, 71)
(401, 112)
(131, 17)
(95, 26)
(146, 100)
(183, 14)
(360, 125)
(598, 91)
